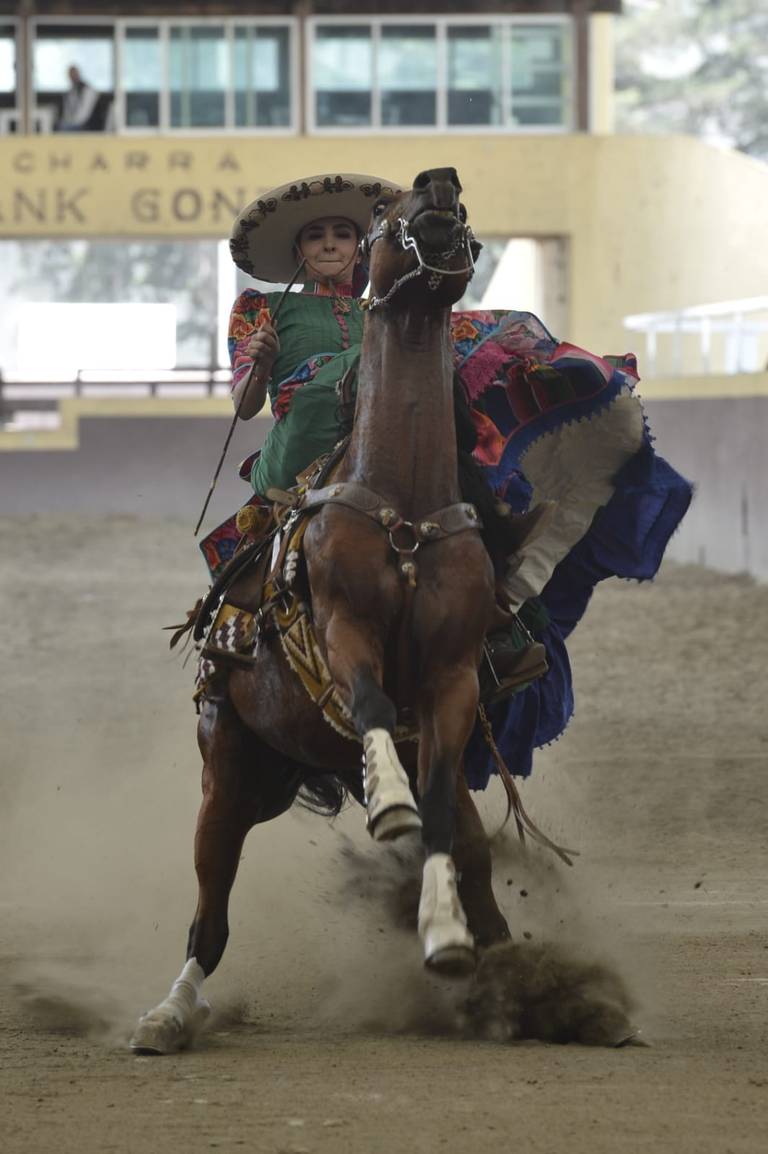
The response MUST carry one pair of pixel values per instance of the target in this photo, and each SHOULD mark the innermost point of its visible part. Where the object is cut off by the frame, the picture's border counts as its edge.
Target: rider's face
(330, 248)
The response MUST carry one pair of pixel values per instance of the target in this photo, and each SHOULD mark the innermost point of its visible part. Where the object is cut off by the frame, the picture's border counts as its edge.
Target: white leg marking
(391, 807)
(173, 1024)
(448, 944)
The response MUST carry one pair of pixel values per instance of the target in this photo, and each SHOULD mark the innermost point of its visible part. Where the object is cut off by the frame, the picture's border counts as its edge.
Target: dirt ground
(329, 1038)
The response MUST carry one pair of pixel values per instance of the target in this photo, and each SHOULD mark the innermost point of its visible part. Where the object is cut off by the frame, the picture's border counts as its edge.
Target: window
(342, 67)
(142, 76)
(58, 47)
(261, 68)
(538, 75)
(408, 74)
(199, 76)
(89, 47)
(474, 74)
(7, 59)
(452, 72)
(167, 74)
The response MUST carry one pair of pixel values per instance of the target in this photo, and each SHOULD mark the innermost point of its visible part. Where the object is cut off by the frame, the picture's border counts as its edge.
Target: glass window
(539, 75)
(7, 58)
(199, 76)
(261, 72)
(408, 74)
(386, 74)
(342, 66)
(89, 48)
(142, 76)
(474, 74)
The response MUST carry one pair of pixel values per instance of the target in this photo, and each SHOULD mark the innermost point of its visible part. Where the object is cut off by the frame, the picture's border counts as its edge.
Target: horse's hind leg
(472, 854)
(240, 789)
(356, 670)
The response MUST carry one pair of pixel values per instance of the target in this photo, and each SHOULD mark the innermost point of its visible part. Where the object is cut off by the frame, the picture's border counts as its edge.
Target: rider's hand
(262, 348)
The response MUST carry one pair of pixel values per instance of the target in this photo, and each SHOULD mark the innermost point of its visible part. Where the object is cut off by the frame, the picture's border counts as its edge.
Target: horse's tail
(323, 793)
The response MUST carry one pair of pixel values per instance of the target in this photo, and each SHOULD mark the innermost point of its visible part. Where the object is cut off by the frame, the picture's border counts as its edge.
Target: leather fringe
(514, 801)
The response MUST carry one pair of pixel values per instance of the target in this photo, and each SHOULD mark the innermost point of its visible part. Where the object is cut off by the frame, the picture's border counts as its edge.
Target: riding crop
(243, 395)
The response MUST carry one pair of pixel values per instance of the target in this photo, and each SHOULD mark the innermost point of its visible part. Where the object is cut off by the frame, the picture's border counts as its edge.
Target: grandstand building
(201, 106)
(657, 244)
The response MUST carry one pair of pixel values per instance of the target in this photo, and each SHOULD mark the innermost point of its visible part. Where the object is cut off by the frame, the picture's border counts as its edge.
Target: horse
(402, 594)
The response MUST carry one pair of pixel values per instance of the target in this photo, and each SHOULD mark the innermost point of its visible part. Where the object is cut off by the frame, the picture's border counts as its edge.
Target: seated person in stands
(83, 108)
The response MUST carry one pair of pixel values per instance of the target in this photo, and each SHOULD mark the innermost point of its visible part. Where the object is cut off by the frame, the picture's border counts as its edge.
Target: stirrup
(494, 688)
(531, 524)
(512, 658)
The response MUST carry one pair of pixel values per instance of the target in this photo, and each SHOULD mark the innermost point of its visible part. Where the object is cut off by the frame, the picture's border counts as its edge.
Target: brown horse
(402, 592)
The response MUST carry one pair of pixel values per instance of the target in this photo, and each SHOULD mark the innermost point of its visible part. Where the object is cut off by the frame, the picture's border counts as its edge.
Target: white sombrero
(264, 233)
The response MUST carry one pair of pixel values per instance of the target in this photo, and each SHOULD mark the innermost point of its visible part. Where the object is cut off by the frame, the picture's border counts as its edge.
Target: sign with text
(117, 186)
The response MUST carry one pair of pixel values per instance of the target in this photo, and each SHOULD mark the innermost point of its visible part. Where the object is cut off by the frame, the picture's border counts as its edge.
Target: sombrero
(264, 233)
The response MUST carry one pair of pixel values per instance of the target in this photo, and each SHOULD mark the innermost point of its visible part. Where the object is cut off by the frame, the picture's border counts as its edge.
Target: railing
(26, 401)
(727, 337)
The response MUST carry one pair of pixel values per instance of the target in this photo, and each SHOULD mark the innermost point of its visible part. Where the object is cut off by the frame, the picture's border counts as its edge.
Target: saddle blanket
(234, 642)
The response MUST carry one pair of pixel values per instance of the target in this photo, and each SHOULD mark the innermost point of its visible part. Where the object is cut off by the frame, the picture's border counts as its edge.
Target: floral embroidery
(464, 329)
(288, 387)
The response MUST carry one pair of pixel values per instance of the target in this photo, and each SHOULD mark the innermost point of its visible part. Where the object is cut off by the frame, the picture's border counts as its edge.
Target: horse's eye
(379, 208)
(462, 214)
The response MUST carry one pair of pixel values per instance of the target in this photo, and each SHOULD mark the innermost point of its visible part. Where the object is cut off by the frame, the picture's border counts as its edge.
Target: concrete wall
(113, 457)
(721, 444)
(122, 458)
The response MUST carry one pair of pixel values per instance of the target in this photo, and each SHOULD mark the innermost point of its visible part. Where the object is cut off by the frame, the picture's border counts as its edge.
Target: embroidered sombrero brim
(264, 233)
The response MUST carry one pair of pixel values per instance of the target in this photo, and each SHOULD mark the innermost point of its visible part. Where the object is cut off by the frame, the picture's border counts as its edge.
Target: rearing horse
(402, 594)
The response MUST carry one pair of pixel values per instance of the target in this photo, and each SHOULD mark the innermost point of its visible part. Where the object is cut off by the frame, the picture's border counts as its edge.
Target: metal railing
(726, 337)
(27, 400)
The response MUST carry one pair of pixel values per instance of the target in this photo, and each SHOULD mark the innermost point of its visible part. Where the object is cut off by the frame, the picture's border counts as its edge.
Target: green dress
(320, 338)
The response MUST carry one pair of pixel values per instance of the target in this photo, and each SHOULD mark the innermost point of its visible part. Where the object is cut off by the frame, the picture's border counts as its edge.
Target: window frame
(441, 24)
(163, 25)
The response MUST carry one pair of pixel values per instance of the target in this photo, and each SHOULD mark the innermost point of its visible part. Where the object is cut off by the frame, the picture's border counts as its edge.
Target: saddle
(261, 594)
(262, 591)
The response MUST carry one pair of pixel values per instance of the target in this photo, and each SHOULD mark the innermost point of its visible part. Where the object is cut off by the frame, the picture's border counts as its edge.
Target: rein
(408, 242)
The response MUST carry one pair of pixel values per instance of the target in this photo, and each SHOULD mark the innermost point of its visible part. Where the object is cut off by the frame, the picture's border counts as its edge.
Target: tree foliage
(695, 66)
(180, 273)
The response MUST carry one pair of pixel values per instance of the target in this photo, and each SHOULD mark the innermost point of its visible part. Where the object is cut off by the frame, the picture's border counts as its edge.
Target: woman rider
(319, 340)
(548, 421)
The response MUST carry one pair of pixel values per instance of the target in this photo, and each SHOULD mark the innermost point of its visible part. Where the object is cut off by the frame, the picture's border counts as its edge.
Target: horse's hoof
(395, 822)
(452, 961)
(163, 1033)
(633, 1037)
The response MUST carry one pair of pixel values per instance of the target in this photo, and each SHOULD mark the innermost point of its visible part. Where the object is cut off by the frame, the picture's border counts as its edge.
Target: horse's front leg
(447, 710)
(355, 662)
(240, 789)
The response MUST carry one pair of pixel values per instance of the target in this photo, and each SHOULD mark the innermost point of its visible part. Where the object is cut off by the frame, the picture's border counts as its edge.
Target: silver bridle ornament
(408, 241)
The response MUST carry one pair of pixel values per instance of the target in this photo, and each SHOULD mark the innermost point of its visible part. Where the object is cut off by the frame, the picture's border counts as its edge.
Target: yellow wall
(653, 222)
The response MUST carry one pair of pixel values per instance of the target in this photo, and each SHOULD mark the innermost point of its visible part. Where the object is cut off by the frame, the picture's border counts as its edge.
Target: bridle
(402, 233)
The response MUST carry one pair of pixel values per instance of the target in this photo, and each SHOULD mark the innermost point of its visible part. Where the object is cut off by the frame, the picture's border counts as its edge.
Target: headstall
(436, 273)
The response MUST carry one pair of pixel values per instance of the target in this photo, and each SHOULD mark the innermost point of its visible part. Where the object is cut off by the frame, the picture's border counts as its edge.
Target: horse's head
(419, 244)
